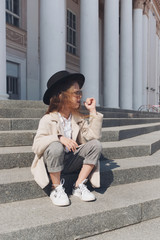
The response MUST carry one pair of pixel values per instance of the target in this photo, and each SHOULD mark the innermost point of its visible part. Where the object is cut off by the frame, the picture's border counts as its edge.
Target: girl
(65, 141)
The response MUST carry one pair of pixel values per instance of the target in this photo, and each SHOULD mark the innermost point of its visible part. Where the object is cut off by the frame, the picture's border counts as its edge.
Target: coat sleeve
(92, 128)
(46, 134)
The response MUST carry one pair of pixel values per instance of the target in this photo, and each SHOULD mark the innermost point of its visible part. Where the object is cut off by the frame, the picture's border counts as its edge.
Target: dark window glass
(15, 22)
(9, 5)
(8, 18)
(12, 12)
(12, 85)
(74, 38)
(16, 7)
(71, 32)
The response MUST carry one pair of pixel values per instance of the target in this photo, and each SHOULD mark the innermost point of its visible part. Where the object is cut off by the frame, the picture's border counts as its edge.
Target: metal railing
(149, 108)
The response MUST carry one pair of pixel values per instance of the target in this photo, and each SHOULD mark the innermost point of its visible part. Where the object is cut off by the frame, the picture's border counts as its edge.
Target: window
(12, 85)
(12, 12)
(71, 32)
(12, 80)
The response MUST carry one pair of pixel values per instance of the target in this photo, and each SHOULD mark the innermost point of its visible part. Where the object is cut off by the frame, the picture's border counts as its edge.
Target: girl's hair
(57, 102)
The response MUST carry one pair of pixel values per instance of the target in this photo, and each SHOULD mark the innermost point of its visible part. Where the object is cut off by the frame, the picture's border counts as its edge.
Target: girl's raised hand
(90, 104)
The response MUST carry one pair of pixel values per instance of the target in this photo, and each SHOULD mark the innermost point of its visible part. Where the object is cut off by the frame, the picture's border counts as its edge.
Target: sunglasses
(78, 93)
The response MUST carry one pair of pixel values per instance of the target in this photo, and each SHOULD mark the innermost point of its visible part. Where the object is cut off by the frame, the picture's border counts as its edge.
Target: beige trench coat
(48, 131)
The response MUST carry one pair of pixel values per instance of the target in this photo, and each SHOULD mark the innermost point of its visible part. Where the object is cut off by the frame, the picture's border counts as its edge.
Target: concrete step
(19, 155)
(105, 109)
(7, 124)
(111, 122)
(17, 138)
(39, 104)
(22, 104)
(124, 114)
(21, 113)
(18, 184)
(39, 112)
(142, 145)
(146, 230)
(12, 157)
(115, 208)
(124, 132)
(129, 170)
(25, 137)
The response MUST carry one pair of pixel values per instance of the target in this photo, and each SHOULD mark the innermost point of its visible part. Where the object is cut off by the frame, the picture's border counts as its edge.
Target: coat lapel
(75, 126)
(55, 117)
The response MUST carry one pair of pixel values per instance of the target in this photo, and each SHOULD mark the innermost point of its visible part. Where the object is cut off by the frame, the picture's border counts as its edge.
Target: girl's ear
(60, 95)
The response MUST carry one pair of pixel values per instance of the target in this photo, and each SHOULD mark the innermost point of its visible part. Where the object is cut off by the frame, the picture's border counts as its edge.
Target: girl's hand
(69, 143)
(90, 104)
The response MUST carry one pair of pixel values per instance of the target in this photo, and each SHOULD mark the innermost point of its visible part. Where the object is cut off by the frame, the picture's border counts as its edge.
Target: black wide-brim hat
(56, 82)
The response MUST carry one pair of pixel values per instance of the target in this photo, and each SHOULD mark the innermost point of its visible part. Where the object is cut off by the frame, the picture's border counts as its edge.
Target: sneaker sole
(60, 205)
(85, 200)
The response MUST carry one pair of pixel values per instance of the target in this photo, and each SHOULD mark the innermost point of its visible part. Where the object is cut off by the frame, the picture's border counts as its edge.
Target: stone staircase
(130, 177)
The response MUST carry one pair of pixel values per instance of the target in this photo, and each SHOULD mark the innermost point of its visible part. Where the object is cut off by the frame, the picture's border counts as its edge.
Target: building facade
(115, 44)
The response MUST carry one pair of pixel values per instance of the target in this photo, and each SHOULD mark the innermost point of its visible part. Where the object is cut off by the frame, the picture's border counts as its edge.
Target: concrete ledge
(7, 124)
(25, 137)
(125, 151)
(14, 154)
(125, 132)
(32, 112)
(21, 104)
(111, 122)
(117, 207)
(129, 170)
(146, 230)
(78, 227)
(132, 114)
(111, 137)
(11, 157)
(40, 104)
(21, 113)
(16, 138)
(142, 145)
(17, 184)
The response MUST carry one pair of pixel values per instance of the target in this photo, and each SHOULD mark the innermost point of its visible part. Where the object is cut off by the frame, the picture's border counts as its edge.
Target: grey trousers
(57, 160)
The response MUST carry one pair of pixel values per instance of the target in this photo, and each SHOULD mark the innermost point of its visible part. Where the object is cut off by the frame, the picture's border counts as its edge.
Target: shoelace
(83, 187)
(60, 190)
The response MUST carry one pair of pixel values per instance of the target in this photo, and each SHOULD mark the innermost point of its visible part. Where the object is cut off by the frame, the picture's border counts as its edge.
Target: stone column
(111, 53)
(3, 94)
(89, 47)
(159, 72)
(145, 54)
(157, 61)
(137, 53)
(126, 74)
(52, 39)
(33, 85)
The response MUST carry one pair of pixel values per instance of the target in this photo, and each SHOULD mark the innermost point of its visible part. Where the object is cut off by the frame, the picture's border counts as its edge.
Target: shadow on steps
(106, 178)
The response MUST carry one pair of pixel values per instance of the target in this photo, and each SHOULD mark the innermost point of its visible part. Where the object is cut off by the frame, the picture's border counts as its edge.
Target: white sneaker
(83, 193)
(58, 195)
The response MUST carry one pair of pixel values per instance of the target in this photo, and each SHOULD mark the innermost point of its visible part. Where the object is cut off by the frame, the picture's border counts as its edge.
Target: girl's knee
(96, 144)
(55, 149)
(53, 157)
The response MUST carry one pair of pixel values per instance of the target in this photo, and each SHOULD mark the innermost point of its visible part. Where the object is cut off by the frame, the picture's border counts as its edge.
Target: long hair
(62, 97)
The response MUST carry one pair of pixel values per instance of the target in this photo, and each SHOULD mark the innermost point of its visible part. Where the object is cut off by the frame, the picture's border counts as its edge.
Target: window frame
(13, 81)
(71, 32)
(13, 15)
